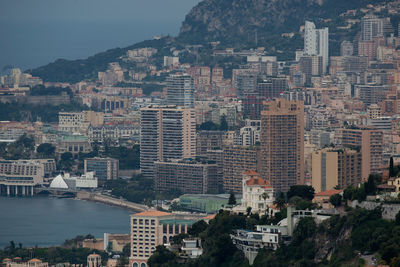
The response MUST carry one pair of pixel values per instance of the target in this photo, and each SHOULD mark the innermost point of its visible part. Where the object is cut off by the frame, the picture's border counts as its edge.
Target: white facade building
(258, 194)
(86, 181)
(316, 43)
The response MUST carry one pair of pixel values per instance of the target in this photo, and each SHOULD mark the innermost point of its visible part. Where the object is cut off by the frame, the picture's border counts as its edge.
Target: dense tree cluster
(52, 255)
(28, 112)
(309, 246)
(138, 189)
(23, 148)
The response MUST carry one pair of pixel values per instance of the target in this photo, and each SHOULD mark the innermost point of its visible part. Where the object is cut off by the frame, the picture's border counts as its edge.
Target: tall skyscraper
(371, 26)
(167, 132)
(180, 90)
(316, 43)
(282, 143)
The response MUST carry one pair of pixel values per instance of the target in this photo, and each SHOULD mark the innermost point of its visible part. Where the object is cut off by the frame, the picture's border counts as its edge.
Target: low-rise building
(187, 176)
(78, 122)
(114, 133)
(258, 194)
(94, 260)
(322, 198)
(17, 177)
(104, 168)
(192, 247)
(110, 242)
(86, 181)
(395, 181)
(30, 263)
(73, 144)
(152, 228)
(271, 236)
(205, 203)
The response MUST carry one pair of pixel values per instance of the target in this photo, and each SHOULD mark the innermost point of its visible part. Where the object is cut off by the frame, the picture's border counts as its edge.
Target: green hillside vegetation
(28, 112)
(73, 71)
(339, 241)
(52, 255)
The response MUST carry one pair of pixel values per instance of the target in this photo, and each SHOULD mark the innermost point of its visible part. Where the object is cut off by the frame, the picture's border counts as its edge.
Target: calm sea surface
(47, 221)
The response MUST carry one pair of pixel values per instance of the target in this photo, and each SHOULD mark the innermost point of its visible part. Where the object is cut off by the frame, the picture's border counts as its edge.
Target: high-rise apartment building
(370, 143)
(209, 140)
(371, 26)
(335, 167)
(180, 90)
(238, 159)
(311, 66)
(282, 143)
(167, 132)
(316, 43)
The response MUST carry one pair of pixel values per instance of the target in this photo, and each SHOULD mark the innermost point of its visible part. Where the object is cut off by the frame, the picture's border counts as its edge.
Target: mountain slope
(232, 21)
(235, 23)
(63, 70)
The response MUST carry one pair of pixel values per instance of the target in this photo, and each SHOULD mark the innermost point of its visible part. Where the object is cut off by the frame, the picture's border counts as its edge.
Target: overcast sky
(107, 10)
(35, 32)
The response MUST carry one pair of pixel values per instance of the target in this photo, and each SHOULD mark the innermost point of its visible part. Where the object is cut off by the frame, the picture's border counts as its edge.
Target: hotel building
(153, 228)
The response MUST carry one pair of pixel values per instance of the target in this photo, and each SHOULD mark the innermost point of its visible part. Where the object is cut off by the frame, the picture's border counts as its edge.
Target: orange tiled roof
(34, 260)
(152, 213)
(210, 217)
(329, 192)
(258, 181)
(250, 172)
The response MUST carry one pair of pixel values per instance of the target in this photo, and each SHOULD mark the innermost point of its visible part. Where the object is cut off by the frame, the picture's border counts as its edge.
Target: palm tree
(265, 196)
(280, 202)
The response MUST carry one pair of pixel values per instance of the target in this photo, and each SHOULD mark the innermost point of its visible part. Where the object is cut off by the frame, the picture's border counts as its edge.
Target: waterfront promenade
(83, 195)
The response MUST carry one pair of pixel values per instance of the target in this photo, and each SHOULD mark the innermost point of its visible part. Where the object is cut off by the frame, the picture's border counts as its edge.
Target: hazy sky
(35, 32)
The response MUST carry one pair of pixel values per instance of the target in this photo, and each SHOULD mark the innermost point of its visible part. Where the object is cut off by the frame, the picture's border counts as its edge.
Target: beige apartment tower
(370, 142)
(282, 143)
(335, 167)
(167, 132)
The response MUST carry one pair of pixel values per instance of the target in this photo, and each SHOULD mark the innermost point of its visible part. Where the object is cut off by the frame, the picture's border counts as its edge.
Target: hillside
(235, 21)
(73, 71)
(339, 241)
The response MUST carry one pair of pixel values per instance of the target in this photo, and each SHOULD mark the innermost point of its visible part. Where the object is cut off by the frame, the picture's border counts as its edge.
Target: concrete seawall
(110, 200)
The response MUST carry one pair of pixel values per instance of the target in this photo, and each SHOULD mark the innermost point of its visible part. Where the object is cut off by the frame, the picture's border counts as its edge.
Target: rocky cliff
(236, 20)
